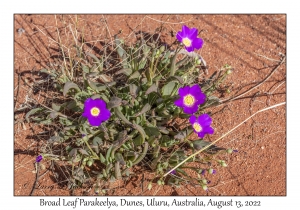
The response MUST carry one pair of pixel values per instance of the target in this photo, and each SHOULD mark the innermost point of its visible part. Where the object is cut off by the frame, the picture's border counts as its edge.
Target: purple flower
(173, 172)
(203, 171)
(189, 38)
(95, 111)
(201, 125)
(235, 150)
(39, 158)
(190, 98)
(212, 171)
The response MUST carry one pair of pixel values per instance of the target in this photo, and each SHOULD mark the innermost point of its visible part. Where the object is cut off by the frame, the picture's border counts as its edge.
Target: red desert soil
(252, 44)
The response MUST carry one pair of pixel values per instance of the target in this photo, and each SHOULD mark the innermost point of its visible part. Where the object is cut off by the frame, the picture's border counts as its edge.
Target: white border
(154, 6)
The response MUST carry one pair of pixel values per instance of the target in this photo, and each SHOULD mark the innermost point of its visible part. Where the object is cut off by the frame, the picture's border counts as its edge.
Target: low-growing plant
(107, 120)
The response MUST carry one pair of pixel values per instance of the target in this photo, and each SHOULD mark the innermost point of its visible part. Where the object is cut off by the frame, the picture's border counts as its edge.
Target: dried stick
(214, 142)
(231, 99)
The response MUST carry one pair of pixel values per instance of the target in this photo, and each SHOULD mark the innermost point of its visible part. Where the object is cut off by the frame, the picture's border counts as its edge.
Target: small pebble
(20, 31)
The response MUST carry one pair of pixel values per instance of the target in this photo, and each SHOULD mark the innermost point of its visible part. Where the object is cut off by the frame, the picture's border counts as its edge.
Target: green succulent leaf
(145, 109)
(121, 52)
(152, 88)
(31, 112)
(94, 58)
(199, 144)
(53, 114)
(134, 75)
(168, 88)
(133, 90)
(85, 68)
(121, 115)
(82, 151)
(152, 131)
(141, 157)
(126, 71)
(70, 85)
(141, 131)
(96, 86)
(102, 158)
(105, 78)
(114, 102)
(178, 78)
(117, 170)
(56, 107)
(108, 153)
(49, 72)
(119, 157)
(46, 122)
(139, 140)
(73, 152)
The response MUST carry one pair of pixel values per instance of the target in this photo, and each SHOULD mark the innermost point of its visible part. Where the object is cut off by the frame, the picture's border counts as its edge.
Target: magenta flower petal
(193, 119)
(198, 43)
(188, 36)
(173, 172)
(185, 30)
(202, 125)
(190, 110)
(95, 111)
(205, 119)
(184, 90)
(179, 102)
(190, 98)
(189, 49)
(179, 37)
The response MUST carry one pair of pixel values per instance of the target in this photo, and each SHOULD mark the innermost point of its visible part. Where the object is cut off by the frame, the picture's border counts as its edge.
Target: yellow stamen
(197, 127)
(187, 42)
(189, 100)
(95, 111)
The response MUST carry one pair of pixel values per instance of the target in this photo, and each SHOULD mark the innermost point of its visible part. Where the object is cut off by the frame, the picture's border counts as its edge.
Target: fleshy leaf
(96, 86)
(70, 85)
(134, 75)
(133, 90)
(145, 109)
(82, 151)
(152, 88)
(168, 88)
(114, 102)
(31, 112)
(126, 71)
(56, 107)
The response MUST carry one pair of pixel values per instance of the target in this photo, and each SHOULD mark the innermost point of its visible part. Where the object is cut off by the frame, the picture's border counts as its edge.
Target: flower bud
(223, 164)
(90, 162)
(162, 48)
(201, 171)
(198, 62)
(97, 190)
(229, 151)
(212, 171)
(204, 187)
(150, 186)
(228, 71)
(39, 158)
